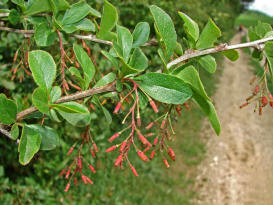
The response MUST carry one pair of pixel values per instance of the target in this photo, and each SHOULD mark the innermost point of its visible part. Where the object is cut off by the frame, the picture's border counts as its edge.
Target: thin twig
(76, 96)
(5, 132)
(4, 15)
(259, 44)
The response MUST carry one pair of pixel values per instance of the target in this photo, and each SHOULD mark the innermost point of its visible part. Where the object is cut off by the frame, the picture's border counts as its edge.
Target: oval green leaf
(165, 88)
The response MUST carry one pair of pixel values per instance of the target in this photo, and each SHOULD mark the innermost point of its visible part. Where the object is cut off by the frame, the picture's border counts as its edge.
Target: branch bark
(259, 44)
(76, 96)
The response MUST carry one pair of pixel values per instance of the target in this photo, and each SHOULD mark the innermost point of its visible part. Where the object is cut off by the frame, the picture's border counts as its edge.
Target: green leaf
(43, 68)
(29, 144)
(40, 100)
(109, 78)
(268, 48)
(163, 59)
(232, 55)
(164, 88)
(54, 116)
(141, 34)
(166, 29)
(191, 27)
(252, 35)
(71, 107)
(14, 132)
(138, 60)
(125, 41)
(208, 108)
(14, 17)
(208, 63)
(85, 25)
(111, 58)
(76, 13)
(108, 21)
(191, 76)
(262, 28)
(86, 64)
(43, 35)
(37, 6)
(94, 12)
(208, 36)
(178, 49)
(50, 138)
(55, 94)
(58, 5)
(77, 115)
(126, 69)
(8, 110)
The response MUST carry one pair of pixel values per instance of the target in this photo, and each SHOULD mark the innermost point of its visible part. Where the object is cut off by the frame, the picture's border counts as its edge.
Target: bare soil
(238, 167)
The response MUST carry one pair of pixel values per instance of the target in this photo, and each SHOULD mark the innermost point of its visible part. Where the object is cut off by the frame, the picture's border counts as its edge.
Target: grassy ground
(251, 18)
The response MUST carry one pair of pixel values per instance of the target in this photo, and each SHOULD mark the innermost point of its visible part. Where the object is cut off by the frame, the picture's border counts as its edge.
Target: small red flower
(68, 173)
(92, 168)
(166, 163)
(142, 156)
(122, 146)
(163, 124)
(95, 147)
(134, 171)
(152, 154)
(171, 153)
(264, 101)
(67, 187)
(117, 108)
(118, 160)
(116, 135)
(110, 149)
(153, 105)
(149, 126)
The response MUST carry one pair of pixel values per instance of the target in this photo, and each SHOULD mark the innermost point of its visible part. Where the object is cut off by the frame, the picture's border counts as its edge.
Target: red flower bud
(152, 154)
(71, 150)
(149, 126)
(92, 168)
(155, 141)
(163, 124)
(171, 153)
(67, 187)
(117, 108)
(92, 107)
(110, 149)
(77, 64)
(88, 180)
(264, 101)
(122, 146)
(260, 110)
(147, 148)
(118, 160)
(178, 109)
(95, 147)
(166, 163)
(142, 156)
(153, 105)
(187, 106)
(84, 179)
(116, 135)
(67, 173)
(134, 171)
(143, 139)
(93, 153)
(244, 105)
(256, 90)
(62, 172)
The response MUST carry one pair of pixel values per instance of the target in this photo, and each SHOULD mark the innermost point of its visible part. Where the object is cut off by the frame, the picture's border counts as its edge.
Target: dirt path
(238, 169)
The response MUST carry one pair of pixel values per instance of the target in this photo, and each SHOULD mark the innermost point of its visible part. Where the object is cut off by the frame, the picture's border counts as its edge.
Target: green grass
(251, 18)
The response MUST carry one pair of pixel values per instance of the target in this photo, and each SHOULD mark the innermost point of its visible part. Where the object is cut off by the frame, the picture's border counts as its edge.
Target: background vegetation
(39, 183)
